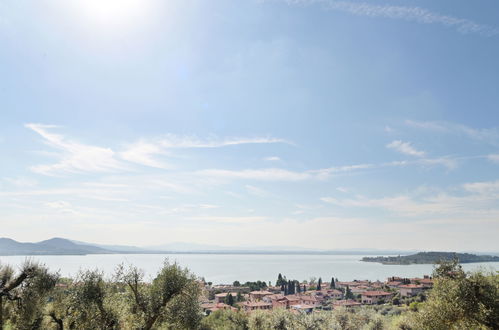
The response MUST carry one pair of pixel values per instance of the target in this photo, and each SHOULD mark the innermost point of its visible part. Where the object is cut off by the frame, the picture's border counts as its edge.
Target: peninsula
(431, 258)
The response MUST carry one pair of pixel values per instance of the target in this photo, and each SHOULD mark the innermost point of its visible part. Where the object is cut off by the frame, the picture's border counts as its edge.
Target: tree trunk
(1, 312)
(150, 322)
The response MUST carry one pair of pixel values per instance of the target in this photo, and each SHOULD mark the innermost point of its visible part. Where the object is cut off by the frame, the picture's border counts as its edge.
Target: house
(309, 300)
(209, 308)
(410, 290)
(258, 295)
(302, 308)
(359, 289)
(345, 303)
(394, 284)
(426, 281)
(328, 294)
(343, 285)
(249, 306)
(374, 297)
(221, 297)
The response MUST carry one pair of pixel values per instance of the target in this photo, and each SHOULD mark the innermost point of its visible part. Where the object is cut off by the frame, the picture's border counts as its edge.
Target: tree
(239, 297)
(319, 284)
(459, 300)
(298, 287)
(87, 303)
(236, 283)
(348, 293)
(172, 297)
(24, 293)
(333, 285)
(230, 300)
(280, 280)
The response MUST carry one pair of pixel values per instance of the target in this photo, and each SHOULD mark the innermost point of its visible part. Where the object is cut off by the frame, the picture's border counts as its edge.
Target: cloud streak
(406, 13)
(405, 148)
(488, 135)
(74, 157)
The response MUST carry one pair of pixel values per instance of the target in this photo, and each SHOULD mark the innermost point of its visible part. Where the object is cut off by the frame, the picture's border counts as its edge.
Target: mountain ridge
(63, 246)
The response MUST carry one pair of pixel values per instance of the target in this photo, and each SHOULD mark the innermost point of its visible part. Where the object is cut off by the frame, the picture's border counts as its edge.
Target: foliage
(23, 294)
(30, 299)
(171, 297)
(255, 286)
(431, 258)
(459, 300)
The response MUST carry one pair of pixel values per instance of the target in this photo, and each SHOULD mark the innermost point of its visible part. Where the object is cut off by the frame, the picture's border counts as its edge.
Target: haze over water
(227, 268)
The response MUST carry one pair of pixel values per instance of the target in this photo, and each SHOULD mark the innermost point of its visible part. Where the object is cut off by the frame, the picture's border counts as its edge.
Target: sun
(112, 13)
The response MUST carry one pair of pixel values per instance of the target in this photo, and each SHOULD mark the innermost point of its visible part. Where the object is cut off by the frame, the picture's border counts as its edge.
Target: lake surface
(226, 268)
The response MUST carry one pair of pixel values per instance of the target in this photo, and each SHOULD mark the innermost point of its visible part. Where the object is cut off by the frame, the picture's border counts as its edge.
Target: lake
(226, 268)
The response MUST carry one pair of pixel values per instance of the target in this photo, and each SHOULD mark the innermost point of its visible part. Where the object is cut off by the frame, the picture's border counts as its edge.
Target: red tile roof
(376, 293)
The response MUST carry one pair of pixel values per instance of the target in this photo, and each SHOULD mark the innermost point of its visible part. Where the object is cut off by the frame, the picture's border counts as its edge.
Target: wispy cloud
(74, 156)
(77, 157)
(494, 158)
(405, 148)
(272, 159)
(406, 13)
(256, 191)
(173, 141)
(230, 220)
(269, 174)
(471, 199)
(143, 151)
(488, 135)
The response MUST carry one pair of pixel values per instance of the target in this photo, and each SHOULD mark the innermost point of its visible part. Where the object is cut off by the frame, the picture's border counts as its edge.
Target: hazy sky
(326, 124)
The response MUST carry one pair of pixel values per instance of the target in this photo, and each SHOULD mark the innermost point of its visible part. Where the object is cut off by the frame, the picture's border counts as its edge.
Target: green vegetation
(35, 298)
(431, 258)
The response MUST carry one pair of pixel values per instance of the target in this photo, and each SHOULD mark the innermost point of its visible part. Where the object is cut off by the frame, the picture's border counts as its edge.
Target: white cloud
(272, 159)
(478, 199)
(21, 182)
(208, 206)
(405, 148)
(406, 13)
(488, 135)
(74, 156)
(58, 204)
(269, 174)
(256, 191)
(141, 152)
(229, 220)
(487, 187)
(494, 158)
(173, 141)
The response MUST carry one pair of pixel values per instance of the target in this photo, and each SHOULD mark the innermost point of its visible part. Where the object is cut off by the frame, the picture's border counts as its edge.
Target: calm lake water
(224, 268)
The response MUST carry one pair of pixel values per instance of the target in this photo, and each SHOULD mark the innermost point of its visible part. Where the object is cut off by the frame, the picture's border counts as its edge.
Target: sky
(318, 124)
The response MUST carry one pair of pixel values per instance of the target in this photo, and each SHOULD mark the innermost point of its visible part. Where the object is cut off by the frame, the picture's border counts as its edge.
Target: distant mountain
(115, 248)
(54, 246)
(431, 258)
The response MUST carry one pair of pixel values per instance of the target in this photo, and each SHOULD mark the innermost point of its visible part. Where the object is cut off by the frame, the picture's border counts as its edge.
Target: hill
(54, 246)
(431, 258)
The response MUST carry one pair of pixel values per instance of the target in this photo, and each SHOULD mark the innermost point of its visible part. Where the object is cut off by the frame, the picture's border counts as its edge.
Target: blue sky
(322, 124)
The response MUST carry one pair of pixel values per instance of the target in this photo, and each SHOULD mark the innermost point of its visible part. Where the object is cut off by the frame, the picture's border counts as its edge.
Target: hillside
(431, 258)
(54, 246)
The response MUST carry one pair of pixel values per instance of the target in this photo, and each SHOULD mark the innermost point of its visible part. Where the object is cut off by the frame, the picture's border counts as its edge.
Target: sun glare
(117, 13)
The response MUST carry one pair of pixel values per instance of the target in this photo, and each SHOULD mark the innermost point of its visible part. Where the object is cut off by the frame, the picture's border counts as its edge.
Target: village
(306, 297)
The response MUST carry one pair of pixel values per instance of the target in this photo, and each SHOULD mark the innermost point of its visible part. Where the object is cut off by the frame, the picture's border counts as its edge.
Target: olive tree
(460, 301)
(87, 303)
(170, 299)
(23, 294)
